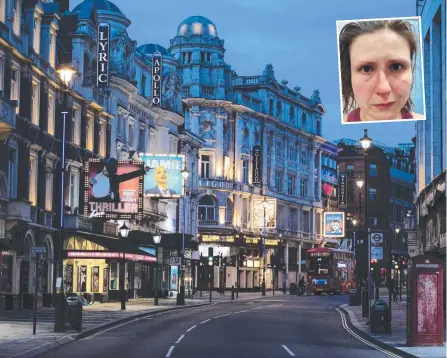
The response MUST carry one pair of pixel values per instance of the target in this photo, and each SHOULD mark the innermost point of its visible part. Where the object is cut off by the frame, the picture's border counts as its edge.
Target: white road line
(288, 350)
(224, 315)
(346, 327)
(181, 337)
(241, 311)
(205, 321)
(191, 328)
(111, 328)
(170, 351)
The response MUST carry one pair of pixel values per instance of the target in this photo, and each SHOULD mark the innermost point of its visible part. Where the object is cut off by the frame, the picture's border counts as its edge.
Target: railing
(208, 223)
(7, 113)
(229, 224)
(34, 214)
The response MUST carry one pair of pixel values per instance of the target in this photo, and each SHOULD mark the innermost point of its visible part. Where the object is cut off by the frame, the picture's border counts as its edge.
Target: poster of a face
(334, 224)
(258, 214)
(173, 282)
(114, 188)
(164, 177)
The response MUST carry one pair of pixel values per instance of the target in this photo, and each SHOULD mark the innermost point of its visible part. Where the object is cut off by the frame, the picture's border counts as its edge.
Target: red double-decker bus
(330, 270)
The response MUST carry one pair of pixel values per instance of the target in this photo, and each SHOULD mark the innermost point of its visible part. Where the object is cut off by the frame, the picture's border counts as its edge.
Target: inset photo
(381, 70)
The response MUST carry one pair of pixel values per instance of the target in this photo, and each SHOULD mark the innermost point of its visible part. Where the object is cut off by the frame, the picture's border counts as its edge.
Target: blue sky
(299, 37)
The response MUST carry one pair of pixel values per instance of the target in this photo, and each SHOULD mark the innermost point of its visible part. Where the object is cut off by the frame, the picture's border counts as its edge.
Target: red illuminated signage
(109, 255)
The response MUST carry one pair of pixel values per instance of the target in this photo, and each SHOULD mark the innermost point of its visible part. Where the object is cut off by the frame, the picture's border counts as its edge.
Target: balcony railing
(19, 210)
(7, 114)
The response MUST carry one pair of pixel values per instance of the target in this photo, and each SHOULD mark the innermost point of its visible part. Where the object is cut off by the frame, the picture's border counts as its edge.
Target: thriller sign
(257, 165)
(343, 191)
(157, 68)
(102, 79)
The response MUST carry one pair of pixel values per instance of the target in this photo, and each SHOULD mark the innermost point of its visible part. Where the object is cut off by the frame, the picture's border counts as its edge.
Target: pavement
(398, 337)
(16, 327)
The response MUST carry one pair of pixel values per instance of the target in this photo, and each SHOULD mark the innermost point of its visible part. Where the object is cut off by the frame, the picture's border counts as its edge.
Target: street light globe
(397, 230)
(124, 230)
(366, 141)
(360, 183)
(354, 222)
(157, 239)
(65, 72)
(265, 202)
(185, 173)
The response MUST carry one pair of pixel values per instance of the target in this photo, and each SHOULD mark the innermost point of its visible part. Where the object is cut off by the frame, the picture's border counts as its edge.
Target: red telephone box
(425, 298)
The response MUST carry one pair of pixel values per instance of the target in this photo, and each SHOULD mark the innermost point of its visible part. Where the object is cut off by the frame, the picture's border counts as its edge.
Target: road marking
(346, 327)
(170, 351)
(205, 321)
(191, 328)
(181, 337)
(217, 317)
(288, 350)
(111, 328)
(241, 311)
(146, 318)
(224, 315)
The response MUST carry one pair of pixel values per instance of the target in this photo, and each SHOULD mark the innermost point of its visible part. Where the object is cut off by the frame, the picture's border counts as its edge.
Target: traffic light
(216, 260)
(233, 261)
(210, 260)
(203, 260)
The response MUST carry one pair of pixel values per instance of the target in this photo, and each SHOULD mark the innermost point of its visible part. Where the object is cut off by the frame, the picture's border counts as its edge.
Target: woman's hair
(354, 29)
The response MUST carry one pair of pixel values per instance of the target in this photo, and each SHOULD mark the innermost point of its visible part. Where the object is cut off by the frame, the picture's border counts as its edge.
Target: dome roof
(101, 5)
(197, 25)
(150, 49)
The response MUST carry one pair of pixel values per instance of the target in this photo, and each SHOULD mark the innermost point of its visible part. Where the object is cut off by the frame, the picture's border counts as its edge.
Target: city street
(280, 326)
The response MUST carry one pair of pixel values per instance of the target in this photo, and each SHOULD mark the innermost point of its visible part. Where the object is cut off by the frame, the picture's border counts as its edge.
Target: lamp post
(359, 182)
(157, 239)
(65, 73)
(354, 224)
(124, 232)
(181, 295)
(366, 143)
(264, 204)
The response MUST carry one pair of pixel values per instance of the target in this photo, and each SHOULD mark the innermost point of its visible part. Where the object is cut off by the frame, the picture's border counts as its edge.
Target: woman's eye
(396, 67)
(366, 69)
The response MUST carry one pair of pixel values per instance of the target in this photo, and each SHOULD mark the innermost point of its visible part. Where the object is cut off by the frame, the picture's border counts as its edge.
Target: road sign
(176, 261)
(40, 250)
(376, 253)
(188, 253)
(377, 239)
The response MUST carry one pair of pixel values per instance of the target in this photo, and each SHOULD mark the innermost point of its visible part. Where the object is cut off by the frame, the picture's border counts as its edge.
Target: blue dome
(101, 5)
(150, 49)
(197, 25)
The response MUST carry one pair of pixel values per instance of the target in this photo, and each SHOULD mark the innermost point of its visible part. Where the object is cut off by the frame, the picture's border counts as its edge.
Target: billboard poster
(257, 165)
(334, 224)
(173, 281)
(157, 63)
(258, 214)
(102, 71)
(164, 176)
(342, 191)
(329, 177)
(114, 189)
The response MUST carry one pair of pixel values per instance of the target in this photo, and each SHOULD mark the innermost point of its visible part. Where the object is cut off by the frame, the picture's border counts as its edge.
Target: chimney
(64, 5)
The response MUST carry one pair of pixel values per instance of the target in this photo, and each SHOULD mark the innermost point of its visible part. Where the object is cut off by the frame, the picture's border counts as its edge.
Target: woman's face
(161, 175)
(381, 74)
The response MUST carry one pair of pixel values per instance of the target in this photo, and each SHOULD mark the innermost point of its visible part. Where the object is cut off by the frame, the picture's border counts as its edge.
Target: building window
(73, 200)
(51, 113)
(102, 139)
(142, 140)
(349, 170)
(303, 188)
(278, 150)
(205, 167)
(207, 208)
(12, 173)
(49, 187)
(271, 107)
(372, 170)
(292, 154)
(143, 85)
(90, 130)
(2, 11)
(52, 50)
(130, 134)
(292, 115)
(303, 121)
(303, 158)
(372, 221)
(35, 101)
(15, 86)
(229, 212)
(32, 196)
(318, 127)
(245, 168)
(16, 16)
(277, 181)
(290, 184)
(76, 126)
(372, 194)
(36, 34)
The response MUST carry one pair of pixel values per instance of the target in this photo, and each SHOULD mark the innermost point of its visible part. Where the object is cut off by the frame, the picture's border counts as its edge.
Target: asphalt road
(276, 327)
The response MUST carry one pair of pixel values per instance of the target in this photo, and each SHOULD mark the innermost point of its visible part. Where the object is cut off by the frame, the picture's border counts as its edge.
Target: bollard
(232, 293)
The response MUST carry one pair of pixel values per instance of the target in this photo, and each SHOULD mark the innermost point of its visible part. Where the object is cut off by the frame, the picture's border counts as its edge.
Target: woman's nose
(383, 85)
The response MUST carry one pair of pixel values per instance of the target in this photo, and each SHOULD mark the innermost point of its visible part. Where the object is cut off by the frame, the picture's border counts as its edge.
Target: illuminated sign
(216, 238)
(334, 224)
(114, 188)
(258, 213)
(257, 165)
(271, 242)
(251, 240)
(342, 191)
(102, 63)
(164, 178)
(216, 184)
(157, 68)
(109, 255)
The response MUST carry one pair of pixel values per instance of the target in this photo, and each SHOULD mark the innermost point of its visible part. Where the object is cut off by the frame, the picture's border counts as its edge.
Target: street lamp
(181, 295)
(65, 73)
(365, 141)
(123, 233)
(157, 239)
(354, 224)
(264, 205)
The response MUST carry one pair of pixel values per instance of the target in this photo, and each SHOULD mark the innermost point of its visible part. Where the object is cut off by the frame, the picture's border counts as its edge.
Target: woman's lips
(384, 106)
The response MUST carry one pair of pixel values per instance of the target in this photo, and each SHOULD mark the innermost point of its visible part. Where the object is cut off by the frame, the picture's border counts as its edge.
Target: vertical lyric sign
(257, 165)
(157, 68)
(343, 191)
(102, 63)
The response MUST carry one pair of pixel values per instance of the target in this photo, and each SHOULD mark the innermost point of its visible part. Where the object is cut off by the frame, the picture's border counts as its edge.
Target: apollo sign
(257, 165)
(157, 70)
(102, 63)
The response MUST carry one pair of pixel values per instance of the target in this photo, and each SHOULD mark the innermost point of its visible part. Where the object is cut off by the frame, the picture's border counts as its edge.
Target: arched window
(143, 85)
(86, 70)
(278, 109)
(229, 212)
(207, 208)
(94, 70)
(292, 115)
(303, 120)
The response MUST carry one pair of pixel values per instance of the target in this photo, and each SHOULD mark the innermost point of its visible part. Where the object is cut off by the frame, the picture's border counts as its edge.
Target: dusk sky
(298, 37)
